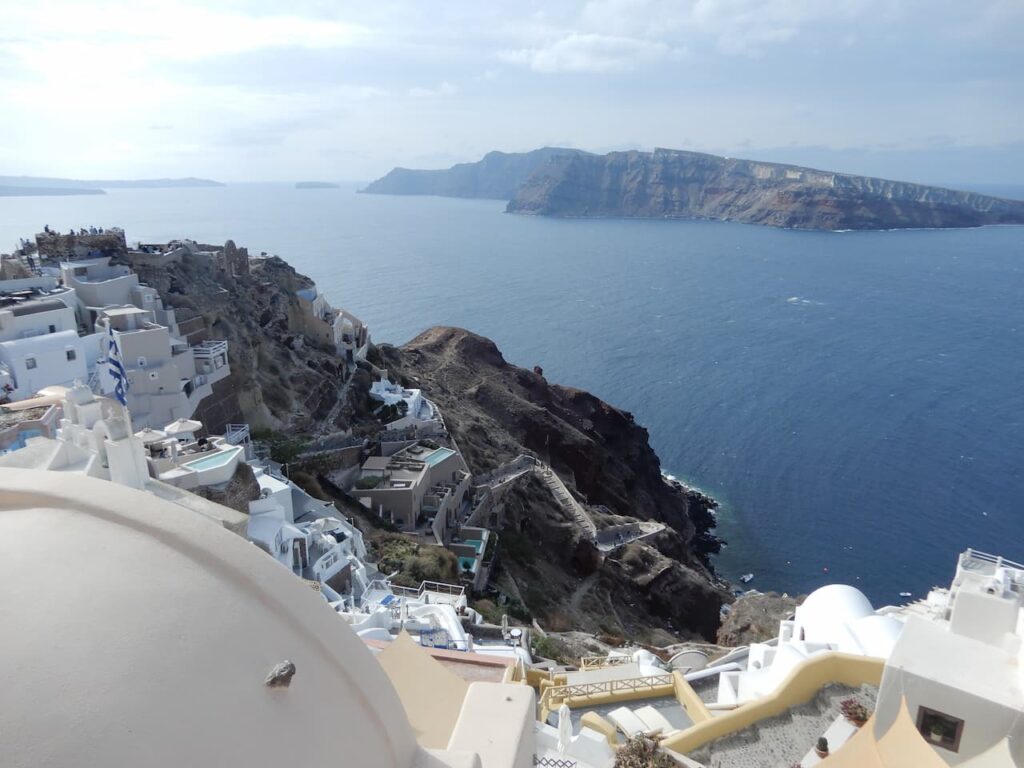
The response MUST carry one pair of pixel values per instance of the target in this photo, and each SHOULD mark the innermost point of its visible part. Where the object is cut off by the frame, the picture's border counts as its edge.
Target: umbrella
(148, 435)
(183, 427)
(564, 729)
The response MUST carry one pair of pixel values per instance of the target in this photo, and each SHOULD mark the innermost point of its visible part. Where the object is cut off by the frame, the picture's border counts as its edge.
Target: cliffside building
(166, 377)
(40, 343)
(331, 327)
(417, 488)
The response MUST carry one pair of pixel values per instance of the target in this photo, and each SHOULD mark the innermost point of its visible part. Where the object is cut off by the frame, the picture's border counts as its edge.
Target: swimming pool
(438, 456)
(477, 544)
(467, 564)
(214, 460)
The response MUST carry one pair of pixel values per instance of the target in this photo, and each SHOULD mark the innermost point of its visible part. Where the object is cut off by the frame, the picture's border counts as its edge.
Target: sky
(926, 90)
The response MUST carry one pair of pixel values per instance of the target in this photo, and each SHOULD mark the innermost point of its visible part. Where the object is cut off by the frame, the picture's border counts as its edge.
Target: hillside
(497, 411)
(497, 176)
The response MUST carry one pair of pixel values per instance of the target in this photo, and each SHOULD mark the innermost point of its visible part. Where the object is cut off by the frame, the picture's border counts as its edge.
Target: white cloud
(442, 89)
(578, 52)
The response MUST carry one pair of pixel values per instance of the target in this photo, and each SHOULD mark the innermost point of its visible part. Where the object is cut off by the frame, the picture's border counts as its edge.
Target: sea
(853, 400)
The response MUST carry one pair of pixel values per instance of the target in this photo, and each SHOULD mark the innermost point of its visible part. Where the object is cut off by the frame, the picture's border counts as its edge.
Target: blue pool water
(437, 456)
(214, 460)
(854, 400)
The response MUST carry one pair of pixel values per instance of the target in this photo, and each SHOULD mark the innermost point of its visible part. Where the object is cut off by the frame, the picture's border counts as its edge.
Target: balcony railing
(651, 684)
(209, 349)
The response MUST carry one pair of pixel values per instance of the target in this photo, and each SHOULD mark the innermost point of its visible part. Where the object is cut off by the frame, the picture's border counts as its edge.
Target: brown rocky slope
(497, 411)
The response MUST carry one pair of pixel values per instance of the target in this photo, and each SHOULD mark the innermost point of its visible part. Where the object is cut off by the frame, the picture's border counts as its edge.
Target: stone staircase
(781, 741)
(567, 501)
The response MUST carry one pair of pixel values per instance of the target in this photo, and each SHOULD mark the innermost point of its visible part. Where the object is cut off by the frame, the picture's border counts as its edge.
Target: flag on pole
(117, 367)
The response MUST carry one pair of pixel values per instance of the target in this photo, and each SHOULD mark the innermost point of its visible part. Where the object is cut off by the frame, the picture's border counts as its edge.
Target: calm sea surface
(854, 400)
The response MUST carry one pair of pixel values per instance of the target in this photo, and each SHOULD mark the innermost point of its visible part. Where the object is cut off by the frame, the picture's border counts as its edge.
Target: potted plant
(854, 711)
(821, 748)
(935, 732)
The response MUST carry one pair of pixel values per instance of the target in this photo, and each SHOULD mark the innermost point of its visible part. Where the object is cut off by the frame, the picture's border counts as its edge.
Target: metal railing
(236, 433)
(647, 683)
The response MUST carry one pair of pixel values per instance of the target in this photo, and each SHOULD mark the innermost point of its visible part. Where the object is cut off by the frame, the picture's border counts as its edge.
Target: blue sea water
(854, 400)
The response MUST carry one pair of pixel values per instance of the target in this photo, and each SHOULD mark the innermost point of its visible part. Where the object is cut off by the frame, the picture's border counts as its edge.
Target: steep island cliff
(672, 184)
(498, 176)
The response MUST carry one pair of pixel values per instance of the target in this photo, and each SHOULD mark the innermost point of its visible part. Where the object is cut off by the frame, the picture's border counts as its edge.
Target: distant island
(316, 185)
(15, 191)
(24, 186)
(675, 184)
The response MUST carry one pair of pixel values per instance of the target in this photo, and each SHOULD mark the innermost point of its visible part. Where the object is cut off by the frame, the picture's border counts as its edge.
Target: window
(30, 363)
(53, 329)
(939, 729)
(70, 354)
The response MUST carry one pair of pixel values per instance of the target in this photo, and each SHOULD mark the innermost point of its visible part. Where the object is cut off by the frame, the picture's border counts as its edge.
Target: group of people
(82, 231)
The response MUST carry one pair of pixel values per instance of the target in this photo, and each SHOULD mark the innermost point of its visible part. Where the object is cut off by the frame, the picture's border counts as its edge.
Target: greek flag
(117, 368)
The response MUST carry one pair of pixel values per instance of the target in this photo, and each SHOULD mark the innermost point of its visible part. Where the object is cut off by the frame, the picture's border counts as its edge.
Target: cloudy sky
(931, 90)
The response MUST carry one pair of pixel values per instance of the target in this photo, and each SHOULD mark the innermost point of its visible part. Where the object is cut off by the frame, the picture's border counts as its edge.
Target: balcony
(208, 350)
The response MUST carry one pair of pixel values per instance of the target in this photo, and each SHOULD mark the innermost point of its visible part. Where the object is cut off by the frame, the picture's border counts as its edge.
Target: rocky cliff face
(656, 590)
(497, 411)
(498, 176)
(690, 185)
(279, 380)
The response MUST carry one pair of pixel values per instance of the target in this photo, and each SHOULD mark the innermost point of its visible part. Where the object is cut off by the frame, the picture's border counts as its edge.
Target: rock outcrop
(497, 411)
(497, 176)
(755, 618)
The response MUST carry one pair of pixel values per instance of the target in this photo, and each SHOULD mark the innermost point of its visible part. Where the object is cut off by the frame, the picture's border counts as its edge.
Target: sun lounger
(655, 721)
(627, 722)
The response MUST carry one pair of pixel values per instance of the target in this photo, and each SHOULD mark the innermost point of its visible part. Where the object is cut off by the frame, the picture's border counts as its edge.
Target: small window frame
(927, 716)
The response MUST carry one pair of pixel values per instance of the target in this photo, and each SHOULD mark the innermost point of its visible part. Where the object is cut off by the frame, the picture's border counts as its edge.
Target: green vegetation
(553, 648)
(283, 447)
(414, 562)
(640, 752)
(368, 482)
(389, 413)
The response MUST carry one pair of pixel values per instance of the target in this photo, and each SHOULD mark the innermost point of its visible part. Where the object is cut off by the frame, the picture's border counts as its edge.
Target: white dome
(876, 635)
(138, 633)
(824, 614)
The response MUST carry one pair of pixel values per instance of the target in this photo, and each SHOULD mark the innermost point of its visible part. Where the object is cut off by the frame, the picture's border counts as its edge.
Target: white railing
(984, 557)
(208, 349)
(236, 433)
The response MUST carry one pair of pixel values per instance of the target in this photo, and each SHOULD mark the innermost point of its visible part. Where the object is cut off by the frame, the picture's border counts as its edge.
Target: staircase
(781, 741)
(567, 501)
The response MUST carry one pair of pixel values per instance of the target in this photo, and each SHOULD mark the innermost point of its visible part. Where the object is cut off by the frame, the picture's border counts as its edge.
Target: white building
(95, 439)
(167, 378)
(412, 408)
(342, 330)
(40, 344)
(959, 667)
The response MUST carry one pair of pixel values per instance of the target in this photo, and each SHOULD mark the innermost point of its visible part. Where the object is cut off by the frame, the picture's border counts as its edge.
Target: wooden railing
(600, 662)
(627, 687)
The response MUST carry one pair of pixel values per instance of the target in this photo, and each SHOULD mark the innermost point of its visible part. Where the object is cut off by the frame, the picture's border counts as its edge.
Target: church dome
(823, 616)
(138, 633)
